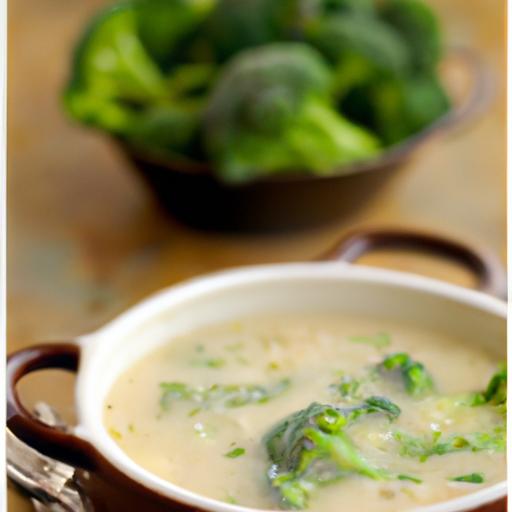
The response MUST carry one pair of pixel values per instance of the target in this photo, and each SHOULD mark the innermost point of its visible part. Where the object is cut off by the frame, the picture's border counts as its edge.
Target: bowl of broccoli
(262, 113)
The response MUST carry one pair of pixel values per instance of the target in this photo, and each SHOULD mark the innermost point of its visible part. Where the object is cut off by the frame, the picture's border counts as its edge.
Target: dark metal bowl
(191, 193)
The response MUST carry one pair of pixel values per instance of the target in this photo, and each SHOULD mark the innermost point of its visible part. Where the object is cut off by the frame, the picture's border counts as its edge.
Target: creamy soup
(383, 417)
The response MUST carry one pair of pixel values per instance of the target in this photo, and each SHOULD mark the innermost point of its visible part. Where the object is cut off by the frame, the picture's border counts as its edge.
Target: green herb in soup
(496, 392)
(416, 379)
(409, 478)
(436, 444)
(473, 478)
(227, 396)
(235, 453)
(321, 415)
(348, 387)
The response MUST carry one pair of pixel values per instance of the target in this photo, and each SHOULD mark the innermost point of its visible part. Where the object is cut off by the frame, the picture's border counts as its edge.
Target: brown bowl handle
(47, 440)
(482, 88)
(491, 277)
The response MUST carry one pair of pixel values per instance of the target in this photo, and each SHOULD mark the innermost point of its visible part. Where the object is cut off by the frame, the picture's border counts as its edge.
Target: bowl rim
(96, 434)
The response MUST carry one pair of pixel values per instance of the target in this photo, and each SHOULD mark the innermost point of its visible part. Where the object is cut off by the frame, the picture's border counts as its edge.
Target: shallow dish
(109, 480)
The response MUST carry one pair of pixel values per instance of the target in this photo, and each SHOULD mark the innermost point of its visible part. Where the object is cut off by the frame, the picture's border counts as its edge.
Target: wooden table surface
(85, 240)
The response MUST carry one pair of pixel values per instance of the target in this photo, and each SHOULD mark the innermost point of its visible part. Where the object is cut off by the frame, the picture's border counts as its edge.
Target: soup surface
(398, 420)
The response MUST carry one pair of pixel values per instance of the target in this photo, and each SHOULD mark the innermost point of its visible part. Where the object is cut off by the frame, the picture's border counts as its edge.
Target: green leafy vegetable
(235, 26)
(163, 24)
(416, 379)
(409, 478)
(348, 387)
(419, 26)
(402, 107)
(209, 362)
(425, 447)
(259, 87)
(167, 130)
(311, 448)
(235, 453)
(396, 108)
(496, 392)
(229, 396)
(360, 48)
(111, 72)
(270, 113)
(473, 478)
(326, 7)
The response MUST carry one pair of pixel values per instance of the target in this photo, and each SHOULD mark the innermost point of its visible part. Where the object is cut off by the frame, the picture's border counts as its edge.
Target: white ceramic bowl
(112, 480)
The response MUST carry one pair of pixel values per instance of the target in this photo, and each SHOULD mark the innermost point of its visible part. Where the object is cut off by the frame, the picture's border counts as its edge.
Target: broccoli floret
(406, 107)
(162, 24)
(270, 112)
(397, 108)
(419, 26)
(361, 7)
(361, 50)
(112, 72)
(166, 130)
(311, 448)
(235, 25)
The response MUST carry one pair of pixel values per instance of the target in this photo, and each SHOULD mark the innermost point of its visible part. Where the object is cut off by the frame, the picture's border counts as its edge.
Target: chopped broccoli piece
(191, 81)
(348, 387)
(383, 405)
(406, 107)
(166, 130)
(361, 7)
(425, 447)
(234, 26)
(360, 48)
(270, 113)
(496, 392)
(311, 448)
(111, 72)
(473, 478)
(409, 478)
(235, 453)
(162, 24)
(229, 396)
(417, 380)
(419, 27)
(397, 108)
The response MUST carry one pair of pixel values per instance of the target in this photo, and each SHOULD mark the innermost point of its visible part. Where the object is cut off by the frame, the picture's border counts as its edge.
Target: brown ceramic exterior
(102, 486)
(191, 193)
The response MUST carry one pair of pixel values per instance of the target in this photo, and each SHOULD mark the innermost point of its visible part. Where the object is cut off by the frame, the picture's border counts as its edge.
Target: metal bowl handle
(491, 277)
(47, 440)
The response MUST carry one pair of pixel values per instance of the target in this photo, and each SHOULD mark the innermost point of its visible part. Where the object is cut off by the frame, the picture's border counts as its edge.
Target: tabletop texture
(86, 240)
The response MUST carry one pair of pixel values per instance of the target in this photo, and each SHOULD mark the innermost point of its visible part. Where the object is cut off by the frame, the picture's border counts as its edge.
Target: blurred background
(86, 239)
